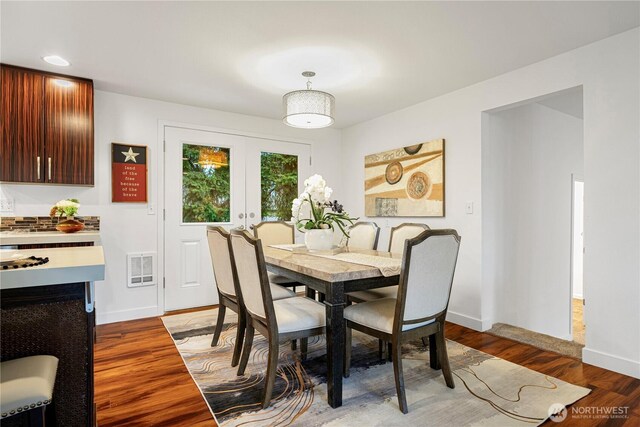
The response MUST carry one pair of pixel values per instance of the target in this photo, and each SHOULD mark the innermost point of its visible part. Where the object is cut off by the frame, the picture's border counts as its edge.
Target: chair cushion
(25, 382)
(371, 294)
(278, 292)
(279, 280)
(377, 314)
(299, 314)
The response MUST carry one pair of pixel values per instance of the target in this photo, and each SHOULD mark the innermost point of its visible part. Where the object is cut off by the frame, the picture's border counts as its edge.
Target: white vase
(319, 239)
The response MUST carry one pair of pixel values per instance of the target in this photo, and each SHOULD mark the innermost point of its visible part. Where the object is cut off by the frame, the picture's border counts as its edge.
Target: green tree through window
(206, 189)
(279, 185)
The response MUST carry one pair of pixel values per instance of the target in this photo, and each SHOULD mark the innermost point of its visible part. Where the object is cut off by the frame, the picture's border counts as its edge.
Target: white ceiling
(375, 57)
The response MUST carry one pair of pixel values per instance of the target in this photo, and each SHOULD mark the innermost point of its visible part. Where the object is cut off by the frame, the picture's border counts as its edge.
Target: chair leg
(237, 350)
(425, 341)
(293, 345)
(34, 417)
(347, 352)
(444, 359)
(219, 324)
(304, 347)
(272, 366)
(397, 371)
(434, 359)
(389, 351)
(381, 347)
(246, 349)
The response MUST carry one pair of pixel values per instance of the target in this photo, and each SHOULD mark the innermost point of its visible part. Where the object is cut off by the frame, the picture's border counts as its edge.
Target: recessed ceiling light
(56, 60)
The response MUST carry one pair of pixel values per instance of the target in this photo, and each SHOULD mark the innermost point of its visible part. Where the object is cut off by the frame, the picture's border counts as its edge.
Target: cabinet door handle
(38, 166)
(49, 168)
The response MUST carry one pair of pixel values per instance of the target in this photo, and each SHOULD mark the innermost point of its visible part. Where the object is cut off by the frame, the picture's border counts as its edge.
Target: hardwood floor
(140, 379)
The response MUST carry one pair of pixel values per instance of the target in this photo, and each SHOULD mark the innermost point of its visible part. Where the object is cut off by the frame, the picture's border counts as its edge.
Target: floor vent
(140, 269)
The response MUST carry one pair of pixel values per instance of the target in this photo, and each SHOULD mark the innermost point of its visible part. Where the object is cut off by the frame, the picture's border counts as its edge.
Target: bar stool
(26, 388)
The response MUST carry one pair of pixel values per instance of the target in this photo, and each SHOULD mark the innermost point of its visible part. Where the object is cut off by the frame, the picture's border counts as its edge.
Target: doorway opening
(532, 154)
(577, 257)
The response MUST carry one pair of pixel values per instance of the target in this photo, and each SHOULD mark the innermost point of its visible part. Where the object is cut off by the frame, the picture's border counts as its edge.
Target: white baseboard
(611, 362)
(466, 321)
(123, 315)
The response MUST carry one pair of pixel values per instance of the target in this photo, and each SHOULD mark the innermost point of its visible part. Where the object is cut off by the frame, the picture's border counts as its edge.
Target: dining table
(334, 275)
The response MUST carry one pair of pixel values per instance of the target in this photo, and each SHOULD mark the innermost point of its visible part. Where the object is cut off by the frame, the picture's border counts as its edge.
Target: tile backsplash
(43, 223)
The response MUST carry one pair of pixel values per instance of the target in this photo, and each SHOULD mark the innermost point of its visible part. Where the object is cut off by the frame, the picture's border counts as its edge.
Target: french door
(214, 178)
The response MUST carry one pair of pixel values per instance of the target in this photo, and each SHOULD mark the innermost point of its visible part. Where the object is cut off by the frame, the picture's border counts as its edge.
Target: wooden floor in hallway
(140, 379)
(577, 317)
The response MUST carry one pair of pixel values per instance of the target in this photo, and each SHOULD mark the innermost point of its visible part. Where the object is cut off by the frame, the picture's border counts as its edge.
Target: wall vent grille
(140, 268)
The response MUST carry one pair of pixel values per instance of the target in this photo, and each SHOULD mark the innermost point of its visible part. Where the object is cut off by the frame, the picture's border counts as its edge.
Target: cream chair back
(246, 255)
(274, 233)
(218, 240)
(402, 233)
(364, 235)
(428, 267)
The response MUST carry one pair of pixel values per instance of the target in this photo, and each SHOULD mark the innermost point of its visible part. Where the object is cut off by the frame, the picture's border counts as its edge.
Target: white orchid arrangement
(317, 196)
(67, 207)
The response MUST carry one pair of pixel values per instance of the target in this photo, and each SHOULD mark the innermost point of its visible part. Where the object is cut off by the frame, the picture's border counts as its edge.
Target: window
(206, 188)
(278, 185)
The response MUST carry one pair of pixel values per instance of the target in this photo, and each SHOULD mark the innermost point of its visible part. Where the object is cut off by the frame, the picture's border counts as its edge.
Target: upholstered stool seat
(27, 384)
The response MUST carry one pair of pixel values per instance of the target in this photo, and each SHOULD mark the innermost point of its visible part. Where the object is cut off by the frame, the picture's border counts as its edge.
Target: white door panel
(215, 178)
(188, 273)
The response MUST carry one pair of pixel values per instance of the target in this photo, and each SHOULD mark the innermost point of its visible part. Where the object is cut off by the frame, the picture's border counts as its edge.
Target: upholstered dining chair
(428, 266)
(228, 290)
(276, 320)
(276, 233)
(364, 235)
(398, 236)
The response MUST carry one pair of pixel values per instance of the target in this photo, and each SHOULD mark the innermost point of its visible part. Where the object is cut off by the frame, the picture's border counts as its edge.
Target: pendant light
(308, 109)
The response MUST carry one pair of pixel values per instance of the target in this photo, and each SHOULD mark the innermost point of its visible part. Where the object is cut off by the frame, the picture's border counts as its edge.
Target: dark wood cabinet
(47, 128)
(22, 149)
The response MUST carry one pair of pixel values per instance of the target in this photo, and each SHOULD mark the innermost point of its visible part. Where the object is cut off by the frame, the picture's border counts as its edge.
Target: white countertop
(48, 237)
(66, 265)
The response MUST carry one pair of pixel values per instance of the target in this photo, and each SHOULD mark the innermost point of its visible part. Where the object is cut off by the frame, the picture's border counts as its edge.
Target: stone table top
(326, 269)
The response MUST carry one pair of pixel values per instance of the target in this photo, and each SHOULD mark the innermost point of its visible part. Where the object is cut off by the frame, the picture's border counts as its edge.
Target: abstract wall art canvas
(407, 181)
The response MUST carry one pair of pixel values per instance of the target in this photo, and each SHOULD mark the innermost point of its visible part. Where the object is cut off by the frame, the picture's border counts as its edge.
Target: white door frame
(574, 178)
(160, 184)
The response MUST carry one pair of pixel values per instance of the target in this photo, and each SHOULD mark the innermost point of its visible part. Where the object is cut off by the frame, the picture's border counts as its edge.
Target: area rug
(489, 391)
(536, 339)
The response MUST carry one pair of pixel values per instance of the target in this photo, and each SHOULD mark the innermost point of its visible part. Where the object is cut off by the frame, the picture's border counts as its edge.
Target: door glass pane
(278, 185)
(206, 184)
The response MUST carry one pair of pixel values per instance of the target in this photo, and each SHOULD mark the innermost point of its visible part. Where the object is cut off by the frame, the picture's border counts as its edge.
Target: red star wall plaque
(128, 173)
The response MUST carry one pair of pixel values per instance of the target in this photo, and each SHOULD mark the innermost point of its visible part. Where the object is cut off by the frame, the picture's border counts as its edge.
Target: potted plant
(67, 208)
(317, 217)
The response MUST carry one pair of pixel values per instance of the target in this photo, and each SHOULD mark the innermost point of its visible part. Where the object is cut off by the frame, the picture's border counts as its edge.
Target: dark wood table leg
(310, 293)
(334, 303)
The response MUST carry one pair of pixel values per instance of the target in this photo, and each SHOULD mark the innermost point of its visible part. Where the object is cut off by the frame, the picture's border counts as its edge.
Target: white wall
(127, 227)
(527, 204)
(608, 70)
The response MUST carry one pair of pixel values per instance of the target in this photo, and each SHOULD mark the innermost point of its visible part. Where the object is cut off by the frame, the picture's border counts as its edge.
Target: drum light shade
(308, 109)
